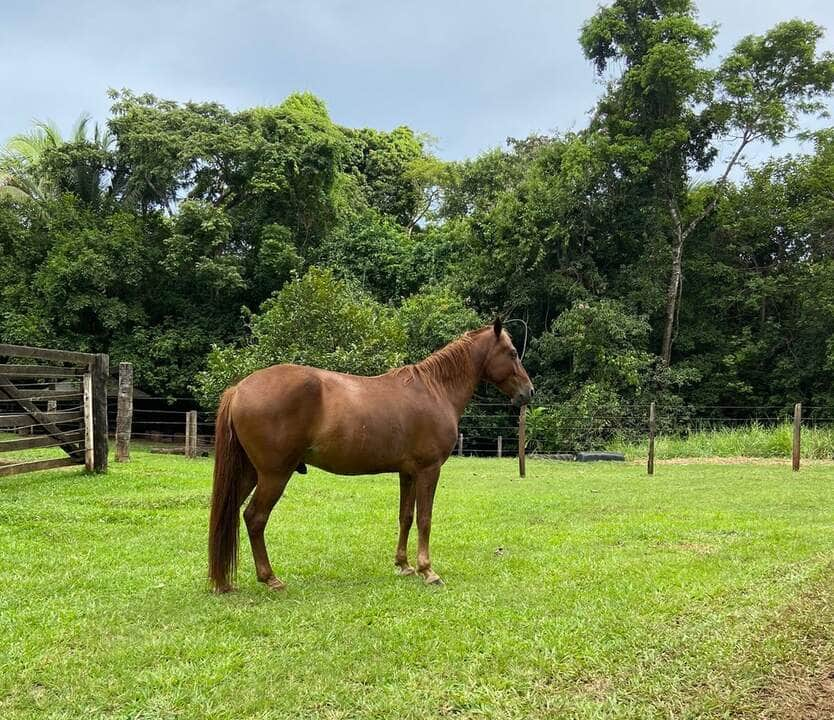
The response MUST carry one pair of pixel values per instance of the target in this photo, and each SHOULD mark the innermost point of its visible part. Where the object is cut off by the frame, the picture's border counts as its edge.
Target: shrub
(314, 320)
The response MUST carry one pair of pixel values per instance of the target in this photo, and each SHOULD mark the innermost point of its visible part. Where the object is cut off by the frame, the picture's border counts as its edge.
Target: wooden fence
(62, 404)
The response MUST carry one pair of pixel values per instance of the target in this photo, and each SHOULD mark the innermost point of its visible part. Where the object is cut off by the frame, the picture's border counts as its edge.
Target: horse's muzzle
(523, 397)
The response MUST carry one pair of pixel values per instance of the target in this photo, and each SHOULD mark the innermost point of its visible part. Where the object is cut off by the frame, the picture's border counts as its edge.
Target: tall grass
(754, 440)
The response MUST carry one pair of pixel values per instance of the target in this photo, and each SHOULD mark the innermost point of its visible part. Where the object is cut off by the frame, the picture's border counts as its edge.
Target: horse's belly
(356, 452)
(348, 460)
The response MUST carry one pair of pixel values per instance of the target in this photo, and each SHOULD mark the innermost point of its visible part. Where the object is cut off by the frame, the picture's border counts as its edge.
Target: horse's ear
(497, 326)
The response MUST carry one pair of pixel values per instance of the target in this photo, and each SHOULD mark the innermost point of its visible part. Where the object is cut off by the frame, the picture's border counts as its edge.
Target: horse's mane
(450, 364)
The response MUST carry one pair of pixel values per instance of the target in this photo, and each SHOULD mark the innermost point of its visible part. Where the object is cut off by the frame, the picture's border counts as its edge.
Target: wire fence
(490, 428)
(163, 420)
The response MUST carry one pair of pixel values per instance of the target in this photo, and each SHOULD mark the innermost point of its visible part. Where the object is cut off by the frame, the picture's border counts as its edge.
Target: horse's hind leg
(408, 494)
(268, 491)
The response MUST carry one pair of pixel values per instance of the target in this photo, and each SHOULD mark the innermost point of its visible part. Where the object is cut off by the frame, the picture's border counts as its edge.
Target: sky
(470, 74)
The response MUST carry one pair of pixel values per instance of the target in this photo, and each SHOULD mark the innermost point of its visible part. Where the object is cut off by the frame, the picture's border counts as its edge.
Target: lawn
(584, 591)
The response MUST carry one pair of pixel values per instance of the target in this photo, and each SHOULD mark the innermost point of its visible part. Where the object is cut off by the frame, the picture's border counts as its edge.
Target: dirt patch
(598, 688)
(695, 548)
(799, 695)
(803, 688)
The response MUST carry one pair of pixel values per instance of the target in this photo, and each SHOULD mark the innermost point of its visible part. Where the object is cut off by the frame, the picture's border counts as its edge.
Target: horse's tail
(231, 465)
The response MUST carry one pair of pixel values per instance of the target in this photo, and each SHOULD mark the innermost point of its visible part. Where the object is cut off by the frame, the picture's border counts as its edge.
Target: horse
(278, 420)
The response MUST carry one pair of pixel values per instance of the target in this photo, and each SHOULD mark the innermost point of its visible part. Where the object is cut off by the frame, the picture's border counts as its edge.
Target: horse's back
(279, 382)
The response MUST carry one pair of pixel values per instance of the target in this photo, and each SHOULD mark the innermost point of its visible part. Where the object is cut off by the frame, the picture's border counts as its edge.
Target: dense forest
(647, 259)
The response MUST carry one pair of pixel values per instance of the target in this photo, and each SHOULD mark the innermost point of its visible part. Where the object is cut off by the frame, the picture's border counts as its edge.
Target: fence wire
(552, 430)
(490, 426)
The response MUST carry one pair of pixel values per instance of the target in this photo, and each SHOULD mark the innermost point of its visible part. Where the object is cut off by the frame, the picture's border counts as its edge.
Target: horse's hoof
(433, 579)
(404, 571)
(274, 583)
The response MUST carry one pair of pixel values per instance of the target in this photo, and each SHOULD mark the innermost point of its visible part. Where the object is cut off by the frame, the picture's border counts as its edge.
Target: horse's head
(502, 367)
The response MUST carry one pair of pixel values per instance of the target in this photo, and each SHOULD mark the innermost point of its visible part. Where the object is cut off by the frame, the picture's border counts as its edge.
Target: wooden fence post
(124, 413)
(100, 369)
(191, 434)
(522, 442)
(650, 466)
(89, 440)
(797, 431)
(500, 445)
(187, 448)
(194, 438)
(460, 445)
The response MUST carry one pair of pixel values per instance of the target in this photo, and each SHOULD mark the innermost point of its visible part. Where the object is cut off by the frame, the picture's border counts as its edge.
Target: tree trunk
(673, 290)
(672, 297)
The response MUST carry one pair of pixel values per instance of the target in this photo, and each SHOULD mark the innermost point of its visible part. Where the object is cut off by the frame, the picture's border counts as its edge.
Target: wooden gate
(62, 404)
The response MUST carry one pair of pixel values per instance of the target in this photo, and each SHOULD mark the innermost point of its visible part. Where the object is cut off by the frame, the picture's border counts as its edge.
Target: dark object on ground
(570, 457)
(594, 456)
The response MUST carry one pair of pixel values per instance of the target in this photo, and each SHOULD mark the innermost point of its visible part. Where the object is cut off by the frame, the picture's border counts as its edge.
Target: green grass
(748, 441)
(31, 454)
(613, 595)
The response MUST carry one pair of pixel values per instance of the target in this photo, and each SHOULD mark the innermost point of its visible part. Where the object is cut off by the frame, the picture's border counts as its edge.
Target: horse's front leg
(426, 483)
(407, 499)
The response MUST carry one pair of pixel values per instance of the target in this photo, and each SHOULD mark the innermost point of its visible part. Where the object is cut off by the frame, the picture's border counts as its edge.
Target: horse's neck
(460, 390)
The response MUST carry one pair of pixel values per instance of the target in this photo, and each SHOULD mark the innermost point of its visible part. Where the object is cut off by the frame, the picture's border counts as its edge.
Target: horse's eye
(514, 354)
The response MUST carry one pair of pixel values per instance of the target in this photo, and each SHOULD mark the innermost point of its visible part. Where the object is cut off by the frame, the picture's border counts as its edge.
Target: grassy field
(585, 591)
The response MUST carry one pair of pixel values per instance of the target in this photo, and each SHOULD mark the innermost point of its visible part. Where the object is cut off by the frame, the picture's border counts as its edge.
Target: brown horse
(278, 419)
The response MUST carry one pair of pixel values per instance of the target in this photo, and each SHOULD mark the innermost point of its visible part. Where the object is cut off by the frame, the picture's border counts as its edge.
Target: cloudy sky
(468, 73)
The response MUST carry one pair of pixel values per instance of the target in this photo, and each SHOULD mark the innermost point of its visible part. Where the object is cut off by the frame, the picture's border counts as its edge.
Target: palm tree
(22, 175)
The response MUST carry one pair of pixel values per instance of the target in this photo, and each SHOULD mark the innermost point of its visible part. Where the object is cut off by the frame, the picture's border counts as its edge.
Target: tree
(594, 364)
(64, 286)
(598, 342)
(381, 161)
(425, 174)
(432, 318)
(760, 296)
(153, 246)
(666, 114)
